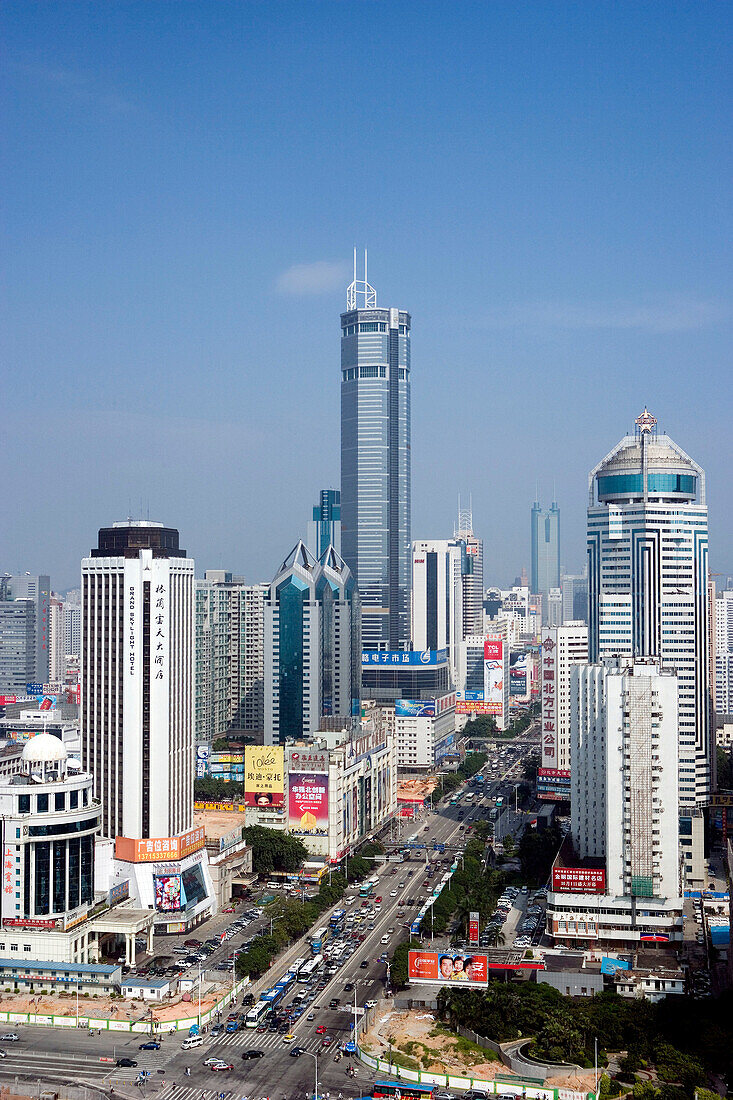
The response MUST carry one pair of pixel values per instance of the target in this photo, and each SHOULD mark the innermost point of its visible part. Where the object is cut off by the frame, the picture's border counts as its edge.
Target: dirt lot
(417, 1039)
(104, 1008)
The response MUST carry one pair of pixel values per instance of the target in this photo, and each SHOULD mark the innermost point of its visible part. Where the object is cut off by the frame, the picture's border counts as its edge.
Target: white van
(193, 1041)
(273, 885)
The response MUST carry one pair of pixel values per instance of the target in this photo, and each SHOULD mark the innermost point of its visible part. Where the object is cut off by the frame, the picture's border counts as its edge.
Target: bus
(404, 1089)
(272, 996)
(319, 939)
(295, 966)
(307, 971)
(256, 1014)
(337, 916)
(500, 801)
(469, 796)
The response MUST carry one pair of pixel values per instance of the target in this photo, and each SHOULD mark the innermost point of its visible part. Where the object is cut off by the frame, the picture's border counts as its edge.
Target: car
(216, 1030)
(152, 1045)
(378, 901)
(129, 1062)
(253, 1054)
(222, 1067)
(393, 893)
(326, 1040)
(384, 939)
(289, 1038)
(295, 1052)
(390, 931)
(364, 964)
(9, 1037)
(213, 1060)
(333, 1003)
(370, 1004)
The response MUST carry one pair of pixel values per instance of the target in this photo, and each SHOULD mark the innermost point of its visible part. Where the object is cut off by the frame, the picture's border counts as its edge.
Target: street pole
(199, 996)
(315, 1060)
(595, 1066)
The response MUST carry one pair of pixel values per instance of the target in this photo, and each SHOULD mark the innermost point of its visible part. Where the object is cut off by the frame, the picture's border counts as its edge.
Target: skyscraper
(324, 529)
(439, 571)
(24, 631)
(648, 592)
(545, 551)
(312, 646)
(473, 580)
(724, 652)
(137, 674)
(375, 463)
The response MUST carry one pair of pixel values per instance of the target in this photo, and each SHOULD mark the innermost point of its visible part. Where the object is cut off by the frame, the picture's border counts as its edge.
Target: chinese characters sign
(154, 849)
(578, 880)
(308, 804)
(548, 690)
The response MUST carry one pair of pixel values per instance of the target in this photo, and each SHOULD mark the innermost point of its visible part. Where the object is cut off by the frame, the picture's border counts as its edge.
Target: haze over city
(543, 188)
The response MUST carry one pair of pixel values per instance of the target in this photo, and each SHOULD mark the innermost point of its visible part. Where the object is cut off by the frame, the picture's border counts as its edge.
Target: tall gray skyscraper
(324, 529)
(648, 592)
(24, 631)
(375, 463)
(473, 581)
(545, 567)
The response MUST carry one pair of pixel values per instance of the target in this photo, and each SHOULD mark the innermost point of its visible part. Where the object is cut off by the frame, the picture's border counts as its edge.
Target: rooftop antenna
(360, 295)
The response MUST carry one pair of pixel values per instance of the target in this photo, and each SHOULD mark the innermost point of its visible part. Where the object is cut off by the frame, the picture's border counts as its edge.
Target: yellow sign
(264, 768)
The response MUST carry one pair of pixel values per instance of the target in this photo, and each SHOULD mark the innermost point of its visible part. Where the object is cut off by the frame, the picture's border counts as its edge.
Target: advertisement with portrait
(264, 770)
(450, 968)
(168, 893)
(308, 804)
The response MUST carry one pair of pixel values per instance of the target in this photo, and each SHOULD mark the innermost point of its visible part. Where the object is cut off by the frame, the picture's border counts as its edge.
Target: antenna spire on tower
(360, 295)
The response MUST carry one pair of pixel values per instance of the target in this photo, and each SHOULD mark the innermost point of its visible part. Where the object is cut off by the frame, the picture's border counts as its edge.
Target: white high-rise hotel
(137, 679)
(648, 592)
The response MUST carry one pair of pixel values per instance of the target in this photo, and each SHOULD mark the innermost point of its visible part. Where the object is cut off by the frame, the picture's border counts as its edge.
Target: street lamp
(315, 1060)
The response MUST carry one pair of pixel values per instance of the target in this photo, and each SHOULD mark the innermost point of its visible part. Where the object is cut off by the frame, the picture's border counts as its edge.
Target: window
(26, 947)
(24, 806)
(59, 800)
(13, 947)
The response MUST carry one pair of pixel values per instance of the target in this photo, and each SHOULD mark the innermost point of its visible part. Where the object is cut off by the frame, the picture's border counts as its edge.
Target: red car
(220, 1066)
(364, 904)
(321, 1029)
(378, 901)
(326, 1040)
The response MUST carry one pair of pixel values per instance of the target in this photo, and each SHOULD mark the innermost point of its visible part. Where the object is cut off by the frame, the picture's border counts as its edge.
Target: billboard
(169, 895)
(518, 674)
(435, 968)
(473, 923)
(308, 804)
(414, 708)
(548, 688)
(405, 657)
(553, 784)
(578, 880)
(476, 708)
(6, 699)
(203, 754)
(156, 849)
(493, 648)
(264, 771)
(119, 892)
(470, 696)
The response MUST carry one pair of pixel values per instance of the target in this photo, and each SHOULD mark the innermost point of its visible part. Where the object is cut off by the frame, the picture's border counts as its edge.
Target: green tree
(273, 850)
(725, 772)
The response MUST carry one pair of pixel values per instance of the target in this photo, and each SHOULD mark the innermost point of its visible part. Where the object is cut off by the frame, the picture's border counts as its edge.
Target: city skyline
(174, 302)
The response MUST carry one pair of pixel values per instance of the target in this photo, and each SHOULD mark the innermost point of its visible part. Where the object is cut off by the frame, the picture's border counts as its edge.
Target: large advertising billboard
(518, 681)
(264, 771)
(436, 968)
(553, 784)
(308, 804)
(578, 880)
(154, 849)
(475, 708)
(414, 708)
(169, 897)
(404, 657)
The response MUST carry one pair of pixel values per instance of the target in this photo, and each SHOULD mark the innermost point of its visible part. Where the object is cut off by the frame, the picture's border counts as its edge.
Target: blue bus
(337, 916)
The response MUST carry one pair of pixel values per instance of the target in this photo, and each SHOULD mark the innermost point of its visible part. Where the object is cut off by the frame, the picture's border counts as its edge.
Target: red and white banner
(578, 880)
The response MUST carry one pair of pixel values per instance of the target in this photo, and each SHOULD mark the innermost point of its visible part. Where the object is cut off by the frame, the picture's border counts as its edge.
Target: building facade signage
(578, 880)
(308, 804)
(38, 925)
(119, 892)
(306, 761)
(473, 926)
(427, 657)
(548, 690)
(264, 775)
(156, 848)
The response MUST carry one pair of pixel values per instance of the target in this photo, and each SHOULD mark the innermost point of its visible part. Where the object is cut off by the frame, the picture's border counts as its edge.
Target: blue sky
(544, 186)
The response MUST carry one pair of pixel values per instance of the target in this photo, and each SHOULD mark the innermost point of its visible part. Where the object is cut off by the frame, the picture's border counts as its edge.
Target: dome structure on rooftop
(44, 748)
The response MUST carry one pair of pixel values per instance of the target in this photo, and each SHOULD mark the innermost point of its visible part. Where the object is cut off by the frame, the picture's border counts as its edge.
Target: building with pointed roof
(312, 645)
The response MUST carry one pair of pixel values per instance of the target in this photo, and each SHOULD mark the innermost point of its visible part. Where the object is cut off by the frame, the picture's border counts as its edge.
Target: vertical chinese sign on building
(548, 689)
(473, 925)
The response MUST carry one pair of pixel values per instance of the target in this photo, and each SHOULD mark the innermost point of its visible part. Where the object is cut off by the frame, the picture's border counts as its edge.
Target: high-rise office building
(324, 529)
(439, 570)
(574, 597)
(648, 591)
(724, 652)
(545, 552)
(137, 674)
(473, 580)
(375, 463)
(56, 639)
(312, 646)
(24, 632)
(229, 655)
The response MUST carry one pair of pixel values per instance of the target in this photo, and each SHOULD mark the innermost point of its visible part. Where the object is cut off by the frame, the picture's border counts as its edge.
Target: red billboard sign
(473, 928)
(493, 650)
(435, 968)
(308, 803)
(578, 880)
(5, 699)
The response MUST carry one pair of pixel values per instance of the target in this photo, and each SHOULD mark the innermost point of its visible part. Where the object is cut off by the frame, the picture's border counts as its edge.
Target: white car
(212, 1061)
(384, 939)
(393, 893)
(370, 1004)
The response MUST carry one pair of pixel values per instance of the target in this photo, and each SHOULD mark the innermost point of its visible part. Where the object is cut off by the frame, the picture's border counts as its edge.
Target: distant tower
(324, 529)
(375, 462)
(545, 549)
(473, 581)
